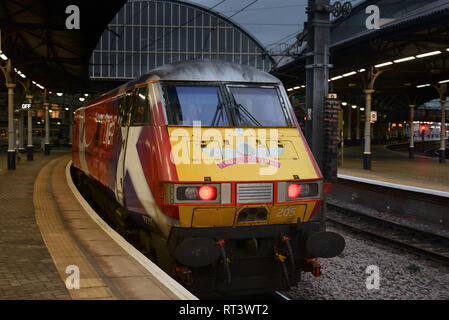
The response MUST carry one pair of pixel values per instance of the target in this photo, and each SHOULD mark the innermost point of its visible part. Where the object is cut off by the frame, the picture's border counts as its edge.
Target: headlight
(198, 193)
(293, 191)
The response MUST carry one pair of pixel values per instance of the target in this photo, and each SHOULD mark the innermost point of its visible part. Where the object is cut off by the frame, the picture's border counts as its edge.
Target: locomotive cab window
(125, 106)
(258, 107)
(189, 104)
(141, 107)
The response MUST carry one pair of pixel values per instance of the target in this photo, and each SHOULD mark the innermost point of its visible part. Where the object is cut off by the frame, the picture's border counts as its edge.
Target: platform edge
(159, 275)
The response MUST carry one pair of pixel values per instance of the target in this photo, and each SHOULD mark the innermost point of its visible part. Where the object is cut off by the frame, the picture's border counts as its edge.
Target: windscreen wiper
(243, 114)
(218, 113)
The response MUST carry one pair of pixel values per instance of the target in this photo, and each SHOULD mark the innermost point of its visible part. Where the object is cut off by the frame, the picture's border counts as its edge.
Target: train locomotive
(208, 160)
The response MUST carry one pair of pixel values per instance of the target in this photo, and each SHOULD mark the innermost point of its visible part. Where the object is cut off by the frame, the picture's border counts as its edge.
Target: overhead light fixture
(423, 85)
(67, 109)
(444, 81)
(3, 56)
(344, 104)
(361, 70)
(354, 107)
(86, 94)
(59, 94)
(337, 78)
(428, 54)
(349, 74)
(383, 64)
(362, 109)
(404, 59)
(290, 89)
(82, 99)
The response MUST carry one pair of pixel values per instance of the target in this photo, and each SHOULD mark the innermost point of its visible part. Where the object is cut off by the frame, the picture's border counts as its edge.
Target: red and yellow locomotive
(209, 159)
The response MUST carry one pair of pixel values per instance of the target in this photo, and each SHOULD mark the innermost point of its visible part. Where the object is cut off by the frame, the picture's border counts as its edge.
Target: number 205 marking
(286, 212)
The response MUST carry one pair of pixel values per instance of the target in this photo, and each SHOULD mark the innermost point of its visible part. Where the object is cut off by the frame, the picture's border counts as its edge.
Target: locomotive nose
(325, 244)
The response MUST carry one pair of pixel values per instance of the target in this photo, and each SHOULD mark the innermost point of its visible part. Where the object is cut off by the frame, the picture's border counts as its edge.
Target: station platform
(48, 234)
(392, 168)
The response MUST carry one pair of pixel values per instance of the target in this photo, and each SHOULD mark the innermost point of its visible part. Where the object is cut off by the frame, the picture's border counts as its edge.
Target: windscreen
(189, 104)
(255, 106)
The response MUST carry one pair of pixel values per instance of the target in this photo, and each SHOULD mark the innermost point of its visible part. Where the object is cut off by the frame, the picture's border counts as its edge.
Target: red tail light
(294, 191)
(207, 193)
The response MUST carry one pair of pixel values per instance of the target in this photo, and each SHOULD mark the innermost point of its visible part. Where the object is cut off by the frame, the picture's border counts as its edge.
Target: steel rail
(417, 241)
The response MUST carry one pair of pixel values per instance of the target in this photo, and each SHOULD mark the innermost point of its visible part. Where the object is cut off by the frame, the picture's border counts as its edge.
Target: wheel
(347, 9)
(336, 9)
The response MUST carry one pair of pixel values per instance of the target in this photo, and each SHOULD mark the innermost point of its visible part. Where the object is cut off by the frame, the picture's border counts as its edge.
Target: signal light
(294, 191)
(207, 193)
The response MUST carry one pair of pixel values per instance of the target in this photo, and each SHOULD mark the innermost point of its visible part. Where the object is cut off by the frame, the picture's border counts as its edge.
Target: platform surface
(396, 168)
(27, 270)
(45, 232)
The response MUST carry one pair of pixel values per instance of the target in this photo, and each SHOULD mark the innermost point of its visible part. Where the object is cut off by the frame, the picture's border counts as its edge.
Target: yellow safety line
(64, 251)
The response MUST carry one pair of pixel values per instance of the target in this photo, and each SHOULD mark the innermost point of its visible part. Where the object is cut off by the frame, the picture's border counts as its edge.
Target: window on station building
(148, 34)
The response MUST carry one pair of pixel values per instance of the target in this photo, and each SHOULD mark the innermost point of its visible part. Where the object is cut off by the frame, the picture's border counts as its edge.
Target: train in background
(208, 160)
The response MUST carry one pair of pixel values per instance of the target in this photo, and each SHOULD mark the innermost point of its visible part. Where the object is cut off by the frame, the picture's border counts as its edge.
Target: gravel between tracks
(403, 276)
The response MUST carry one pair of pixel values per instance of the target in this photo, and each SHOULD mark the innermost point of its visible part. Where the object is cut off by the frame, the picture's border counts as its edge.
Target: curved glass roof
(148, 34)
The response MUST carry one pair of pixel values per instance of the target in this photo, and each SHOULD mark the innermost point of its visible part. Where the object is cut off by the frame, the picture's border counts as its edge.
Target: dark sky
(270, 21)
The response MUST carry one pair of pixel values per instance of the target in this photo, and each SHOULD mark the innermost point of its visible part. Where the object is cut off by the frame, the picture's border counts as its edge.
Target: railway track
(420, 242)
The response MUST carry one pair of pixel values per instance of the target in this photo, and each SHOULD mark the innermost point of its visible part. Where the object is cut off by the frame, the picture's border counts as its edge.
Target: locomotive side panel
(147, 163)
(97, 142)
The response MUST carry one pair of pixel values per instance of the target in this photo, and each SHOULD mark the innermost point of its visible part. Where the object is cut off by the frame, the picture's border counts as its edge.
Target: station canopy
(410, 48)
(36, 39)
(118, 40)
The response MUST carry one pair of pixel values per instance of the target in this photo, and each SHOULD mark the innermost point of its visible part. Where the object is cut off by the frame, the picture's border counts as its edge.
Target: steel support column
(30, 147)
(442, 91)
(70, 125)
(367, 152)
(46, 105)
(317, 75)
(11, 130)
(349, 122)
(373, 74)
(443, 132)
(21, 147)
(47, 129)
(411, 148)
